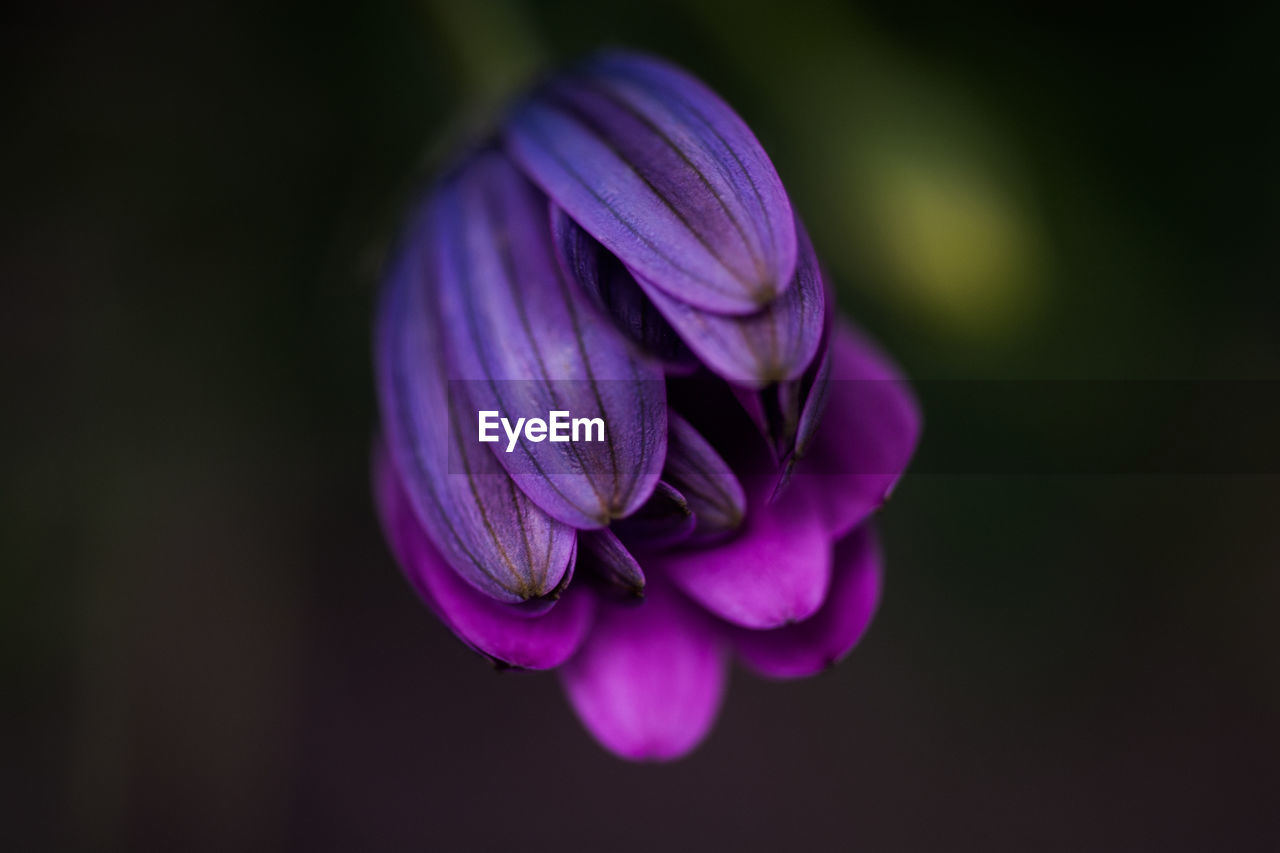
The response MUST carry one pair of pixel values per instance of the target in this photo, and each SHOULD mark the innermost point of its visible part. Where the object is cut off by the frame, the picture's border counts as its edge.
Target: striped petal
(706, 481)
(606, 556)
(788, 414)
(659, 169)
(664, 520)
(774, 344)
(524, 343)
(615, 291)
(484, 527)
(506, 633)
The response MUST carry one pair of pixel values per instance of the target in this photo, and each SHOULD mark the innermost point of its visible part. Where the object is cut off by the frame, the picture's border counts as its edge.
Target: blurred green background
(207, 645)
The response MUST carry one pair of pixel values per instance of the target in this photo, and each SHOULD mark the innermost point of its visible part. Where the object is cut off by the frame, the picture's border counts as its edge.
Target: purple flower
(624, 250)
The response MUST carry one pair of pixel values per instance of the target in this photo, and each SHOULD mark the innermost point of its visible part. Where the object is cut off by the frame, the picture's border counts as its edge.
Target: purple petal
(787, 413)
(484, 527)
(814, 386)
(795, 651)
(526, 342)
(705, 480)
(664, 520)
(867, 436)
(774, 572)
(603, 554)
(504, 632)
(775, 344)
(806, 396)
(615, 291)
(649, 679)
(659, 169)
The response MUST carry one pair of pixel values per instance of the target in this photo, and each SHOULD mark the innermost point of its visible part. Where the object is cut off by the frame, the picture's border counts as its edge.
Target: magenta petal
(868, 433)
(650, 678)
(818, 642)
(774, 572)
(504, 632)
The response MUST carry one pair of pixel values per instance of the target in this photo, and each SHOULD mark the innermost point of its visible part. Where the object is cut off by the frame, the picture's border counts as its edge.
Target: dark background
(208, 646)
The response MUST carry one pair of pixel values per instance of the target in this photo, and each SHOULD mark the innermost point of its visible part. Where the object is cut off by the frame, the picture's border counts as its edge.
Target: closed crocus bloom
(623, 252)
